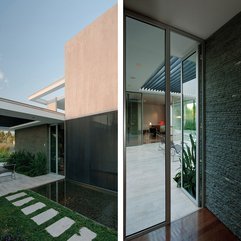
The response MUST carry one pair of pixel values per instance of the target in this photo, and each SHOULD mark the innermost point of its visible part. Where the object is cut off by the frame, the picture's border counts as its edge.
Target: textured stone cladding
(32, 139)
(223, 124)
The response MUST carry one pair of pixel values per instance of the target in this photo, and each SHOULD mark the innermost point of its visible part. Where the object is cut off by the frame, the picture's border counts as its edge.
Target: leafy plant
(39, 164)
(11, 237)
(188, 168)
(28, 163)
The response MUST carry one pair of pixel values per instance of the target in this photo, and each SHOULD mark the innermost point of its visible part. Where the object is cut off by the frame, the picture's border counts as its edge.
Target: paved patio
(22, 182)
(146, 188)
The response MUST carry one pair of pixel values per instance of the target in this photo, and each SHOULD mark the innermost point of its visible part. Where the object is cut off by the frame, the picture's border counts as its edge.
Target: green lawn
(14, 223)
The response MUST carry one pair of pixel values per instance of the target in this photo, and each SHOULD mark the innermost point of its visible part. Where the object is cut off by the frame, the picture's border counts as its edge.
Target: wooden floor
(199, 226)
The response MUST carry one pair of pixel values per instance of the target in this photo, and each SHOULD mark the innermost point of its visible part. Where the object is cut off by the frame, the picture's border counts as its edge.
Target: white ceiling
(198, 17)
(13, 109)
(145, 51)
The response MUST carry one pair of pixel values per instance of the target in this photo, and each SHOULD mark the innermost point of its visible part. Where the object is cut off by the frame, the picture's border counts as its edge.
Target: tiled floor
(146, 189)
(8, 185)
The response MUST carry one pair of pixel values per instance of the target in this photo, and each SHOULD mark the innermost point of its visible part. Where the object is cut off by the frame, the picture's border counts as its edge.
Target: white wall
(152, 113)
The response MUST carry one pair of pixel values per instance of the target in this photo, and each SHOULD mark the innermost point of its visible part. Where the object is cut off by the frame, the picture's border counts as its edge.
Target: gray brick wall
(223, 124)
(33, 139)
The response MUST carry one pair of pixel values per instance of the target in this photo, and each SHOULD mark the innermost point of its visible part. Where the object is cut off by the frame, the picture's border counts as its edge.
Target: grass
(14, 223)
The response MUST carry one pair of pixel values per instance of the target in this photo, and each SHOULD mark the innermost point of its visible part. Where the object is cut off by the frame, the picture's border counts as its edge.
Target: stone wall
(33, 139)
(223, 124)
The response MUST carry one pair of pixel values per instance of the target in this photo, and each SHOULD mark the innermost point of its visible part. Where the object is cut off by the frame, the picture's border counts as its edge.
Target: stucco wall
(223, 124)
(33, 139)
(91, 68)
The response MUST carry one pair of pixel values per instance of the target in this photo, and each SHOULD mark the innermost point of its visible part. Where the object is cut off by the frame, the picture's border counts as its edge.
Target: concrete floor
(9, 185)
(146, 189)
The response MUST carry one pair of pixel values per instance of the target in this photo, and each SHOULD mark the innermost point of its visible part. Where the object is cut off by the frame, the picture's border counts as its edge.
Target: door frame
(56, 148)
(190, 53)
(167, 29)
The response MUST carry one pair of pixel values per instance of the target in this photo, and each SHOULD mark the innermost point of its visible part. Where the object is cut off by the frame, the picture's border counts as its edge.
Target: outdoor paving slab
(59, 227)
(32, 208)
(44, 216)
(23, 201)
(15, 196)
(85, 235)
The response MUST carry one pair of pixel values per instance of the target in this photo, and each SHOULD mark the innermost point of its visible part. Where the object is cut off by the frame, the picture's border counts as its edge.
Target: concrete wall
(91, 103)
(223, 124)
(91, 68)
(33, 139)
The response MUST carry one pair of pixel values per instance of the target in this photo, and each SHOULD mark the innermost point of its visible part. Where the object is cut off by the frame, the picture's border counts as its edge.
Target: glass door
(60, 149)
(145, 125)
(133, 119)
(161, 128)
(190, 125)
(53, 148)
(56, 146)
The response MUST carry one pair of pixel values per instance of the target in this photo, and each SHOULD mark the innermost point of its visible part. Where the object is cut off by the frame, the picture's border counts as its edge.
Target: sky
(32, 38)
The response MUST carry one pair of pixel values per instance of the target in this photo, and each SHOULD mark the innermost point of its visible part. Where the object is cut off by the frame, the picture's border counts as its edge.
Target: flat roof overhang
(16, 115)
(44, 97)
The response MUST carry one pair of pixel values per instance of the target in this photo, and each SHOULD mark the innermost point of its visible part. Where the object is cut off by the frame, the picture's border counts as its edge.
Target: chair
(176, 149)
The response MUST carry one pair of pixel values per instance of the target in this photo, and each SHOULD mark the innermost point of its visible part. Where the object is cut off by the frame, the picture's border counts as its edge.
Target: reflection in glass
(61, 149)
(189, 84)
(97, 204)
(145, 126)
(53, 136)
(133, 118)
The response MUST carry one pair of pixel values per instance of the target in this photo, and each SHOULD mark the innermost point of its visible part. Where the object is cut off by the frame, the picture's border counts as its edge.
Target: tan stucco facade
(91, 68)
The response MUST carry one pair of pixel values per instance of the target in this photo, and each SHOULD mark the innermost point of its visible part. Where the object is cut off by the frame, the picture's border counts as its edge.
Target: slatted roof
(157, 81)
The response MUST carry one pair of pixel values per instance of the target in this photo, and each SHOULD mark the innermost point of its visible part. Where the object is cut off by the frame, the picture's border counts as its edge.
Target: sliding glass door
(53, 148)
(56, 146)
(145, 126)
(190, 125)
(133, 118)
(161, 125)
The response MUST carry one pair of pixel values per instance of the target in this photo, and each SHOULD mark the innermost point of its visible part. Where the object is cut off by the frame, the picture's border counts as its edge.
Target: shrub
(4, 152)
(28, 163)
(39, 164)
(11, 237)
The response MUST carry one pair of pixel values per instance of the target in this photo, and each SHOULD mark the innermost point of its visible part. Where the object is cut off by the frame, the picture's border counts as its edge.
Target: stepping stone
(45, 216)
(15, 196)
(32, 208)
(85, 235)
(59, 227)
(23, 201)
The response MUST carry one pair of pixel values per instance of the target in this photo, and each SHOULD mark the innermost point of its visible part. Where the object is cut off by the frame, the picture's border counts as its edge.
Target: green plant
(28, 163)
(10, 237)
(4, 156)
(38, 164)
(188, 168)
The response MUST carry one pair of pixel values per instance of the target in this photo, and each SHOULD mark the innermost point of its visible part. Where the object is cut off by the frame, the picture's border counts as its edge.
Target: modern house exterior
(181, 78)
(78, 132)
